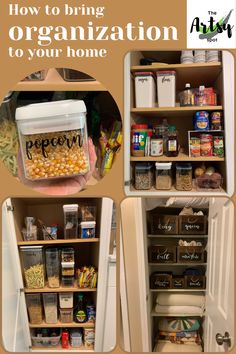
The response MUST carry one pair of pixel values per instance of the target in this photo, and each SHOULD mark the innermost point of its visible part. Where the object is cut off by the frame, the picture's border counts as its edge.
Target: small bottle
(188, 96)
(201, 96)
(157, 145)
(65, 339)
(80, 312)
(172, 146)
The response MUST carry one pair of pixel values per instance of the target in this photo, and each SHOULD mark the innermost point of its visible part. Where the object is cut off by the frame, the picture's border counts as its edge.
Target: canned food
(194, 147)
(216, 121)
(206, 145)
(219, 146)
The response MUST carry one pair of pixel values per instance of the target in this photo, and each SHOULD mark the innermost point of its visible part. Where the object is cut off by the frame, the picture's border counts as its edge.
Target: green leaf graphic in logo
(210, 34)
(221, 22)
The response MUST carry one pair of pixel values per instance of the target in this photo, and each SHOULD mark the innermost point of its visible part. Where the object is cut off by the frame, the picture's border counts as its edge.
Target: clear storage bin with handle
(66, 300)
(53, 139)
(163, 175)
(33, 266)
(70, 220)
(53, 267)
(50, 308)
(76, 338)
(35, 308)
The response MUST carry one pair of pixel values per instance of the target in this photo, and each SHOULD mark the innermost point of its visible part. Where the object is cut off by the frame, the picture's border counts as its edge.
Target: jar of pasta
(53, 139)
(33, 266)
(184, 177)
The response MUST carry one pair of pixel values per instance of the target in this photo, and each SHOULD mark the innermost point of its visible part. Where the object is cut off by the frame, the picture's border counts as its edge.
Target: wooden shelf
(57, 242)
(184, 314)
(46, 289)
(177, 236)
(54, 82)
(165, 112)
(181, 157)
(58, 348)
(177, 290)
(176, 264)
(62, 325)
(179, 67)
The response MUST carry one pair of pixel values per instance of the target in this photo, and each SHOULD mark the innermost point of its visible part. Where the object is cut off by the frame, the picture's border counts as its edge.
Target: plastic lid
(50, 109)
(166, 72)
(67, 264)
(201, 88)
(163, 165)
(26, 248)
(186, 166)
(187, 85)
(143, 73)
(139, 126)
(85, 224)
(70, 207)
(143, 166)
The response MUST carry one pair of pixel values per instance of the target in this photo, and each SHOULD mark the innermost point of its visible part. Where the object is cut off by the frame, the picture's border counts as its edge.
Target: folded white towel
(173, 348)
(181, 299)
(179, 310)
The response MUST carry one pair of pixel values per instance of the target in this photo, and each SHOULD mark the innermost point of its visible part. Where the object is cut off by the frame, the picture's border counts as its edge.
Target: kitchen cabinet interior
(97, 251)
(210, 74)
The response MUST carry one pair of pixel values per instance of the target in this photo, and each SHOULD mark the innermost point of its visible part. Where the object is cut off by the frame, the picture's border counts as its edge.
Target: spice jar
(34, 307)
(163, 175)
(53, 139)
(139, 133)
(50, 307)
(33, 265)
(206, 145)
(184, 177)
(143, 176)
(70, 220)
(53, 267)
(172, 148)
(157, 145)
(218, 146)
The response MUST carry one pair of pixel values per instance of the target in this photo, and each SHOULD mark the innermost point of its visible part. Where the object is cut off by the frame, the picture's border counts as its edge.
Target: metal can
(206, 145)
(194, 147)
(218, 146)
(216, 121)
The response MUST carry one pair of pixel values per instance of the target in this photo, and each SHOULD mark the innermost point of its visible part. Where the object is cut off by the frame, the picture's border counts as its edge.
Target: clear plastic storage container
(76, 339)
(66, 300)
(53, 267)
(50, 307)
(67, 281)
(39, 341)
(163, 175)
(70, 220)
(145, 89)
(88, 229)
(184, 177)
(88, 212)
(67, 268)
(33, 266)
(68, 254)
(66, 315)
(166, 88)
(53, 139)
(143, 176)
(35, 308)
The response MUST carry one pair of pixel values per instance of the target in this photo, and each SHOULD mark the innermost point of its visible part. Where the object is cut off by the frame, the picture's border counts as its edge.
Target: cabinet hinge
(10, 208)
(127, 183)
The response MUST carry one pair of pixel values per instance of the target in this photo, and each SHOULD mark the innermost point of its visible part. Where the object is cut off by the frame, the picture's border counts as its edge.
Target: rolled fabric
(181, 299)
(173, 348)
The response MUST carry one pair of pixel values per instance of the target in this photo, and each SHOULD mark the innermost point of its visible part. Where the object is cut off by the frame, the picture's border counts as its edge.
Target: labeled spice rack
(212, 74)
(50, 210)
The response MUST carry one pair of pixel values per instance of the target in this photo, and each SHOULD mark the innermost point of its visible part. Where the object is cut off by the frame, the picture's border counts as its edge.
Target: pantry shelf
(63, 325)
(153, 192)
(57, 242)
(177, 111)
(58, 348)
(178, 236)
(176, 264)
(184, 314)
(179, 67)
(55, 82)
(59, 290)
(177, 290)
(181, 157)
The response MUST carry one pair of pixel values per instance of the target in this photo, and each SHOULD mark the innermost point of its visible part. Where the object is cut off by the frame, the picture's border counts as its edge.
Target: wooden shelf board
(177, 236)
(177, 67)
(181, 157)
(186, 314)
(57, 242)
(58, 348)
(46, 289)
(54, 82)
(172, 111)
(176, 264)
(177, 290)
(62, 325)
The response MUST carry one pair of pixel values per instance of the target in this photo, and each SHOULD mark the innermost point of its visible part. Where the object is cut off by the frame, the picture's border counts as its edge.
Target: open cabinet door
(15, 335)
(220, 277)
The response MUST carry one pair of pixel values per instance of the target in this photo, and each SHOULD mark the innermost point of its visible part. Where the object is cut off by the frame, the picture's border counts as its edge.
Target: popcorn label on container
(53, 139)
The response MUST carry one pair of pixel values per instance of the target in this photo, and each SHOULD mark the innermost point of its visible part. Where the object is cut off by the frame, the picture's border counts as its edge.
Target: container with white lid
(145, 89)
(166, 88)
(163, 175)
(33, 266)
(53, 139)
(70, 220)
(67, 268)
(88, 229)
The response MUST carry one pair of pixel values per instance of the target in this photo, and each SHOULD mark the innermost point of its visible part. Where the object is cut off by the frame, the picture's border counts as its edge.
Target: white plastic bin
(166, 88)
(145, 89)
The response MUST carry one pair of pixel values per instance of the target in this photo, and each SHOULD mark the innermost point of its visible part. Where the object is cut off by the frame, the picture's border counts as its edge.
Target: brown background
(109, 71)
